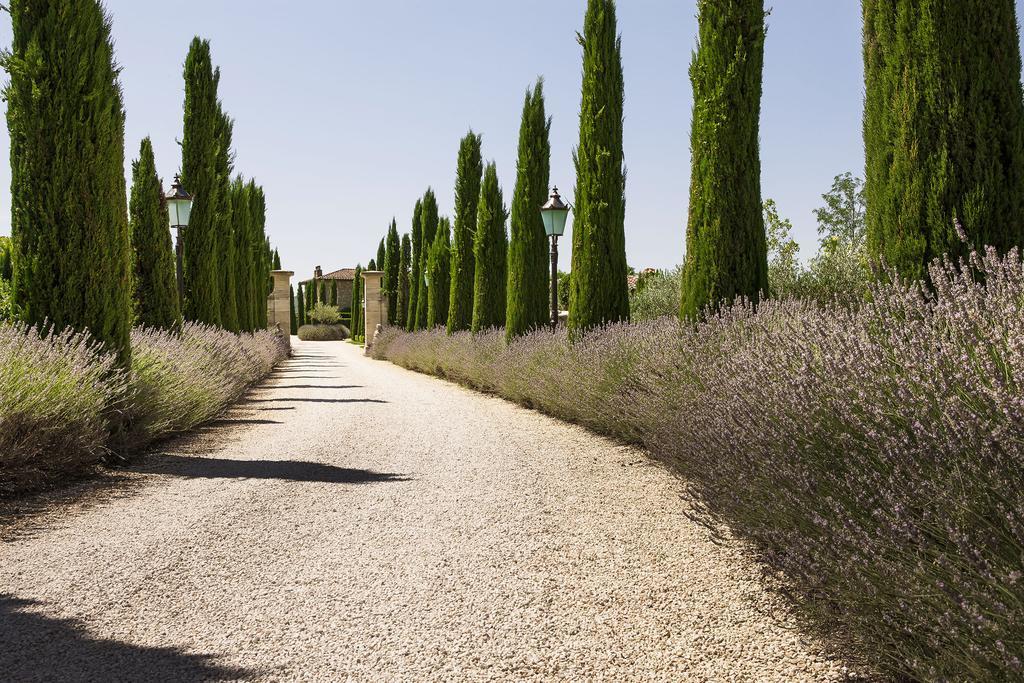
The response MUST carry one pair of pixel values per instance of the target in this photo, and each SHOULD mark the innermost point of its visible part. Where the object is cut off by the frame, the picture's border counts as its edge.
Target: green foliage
(291, 309)
(7, 311)
(324, 314)
(726, 248)
(277, 260)
(259, 255)
(528, 277)
(318, 332)
(564, 287)
(428, 227)
(467, 196)
(334, 293)
(199, 147)
(228, 264)
(6, 259)
(656, 295)
(323, 292)
(403, 281)
(416, 276)
(357, 301)
(300, 304)
(155, 291)
(599, 292)
(242, 235)
(372, 265)
(392, 265)
(943, 129)
(65, 116)
(382, 251)
(439, 270)
(490, 251)
(784, 269)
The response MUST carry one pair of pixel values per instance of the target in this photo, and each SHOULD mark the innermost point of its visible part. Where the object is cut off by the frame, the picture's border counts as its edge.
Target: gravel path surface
(352, 520)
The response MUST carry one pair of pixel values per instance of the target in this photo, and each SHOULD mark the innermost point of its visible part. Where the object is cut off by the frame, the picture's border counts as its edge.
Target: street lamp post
(179, 211)
(554, 213)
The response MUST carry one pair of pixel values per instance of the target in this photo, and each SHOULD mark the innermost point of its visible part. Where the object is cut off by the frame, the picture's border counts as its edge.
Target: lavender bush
(65, 405)
(871, 455)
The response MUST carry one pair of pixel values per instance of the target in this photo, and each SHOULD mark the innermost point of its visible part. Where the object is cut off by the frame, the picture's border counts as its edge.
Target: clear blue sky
(347, 110)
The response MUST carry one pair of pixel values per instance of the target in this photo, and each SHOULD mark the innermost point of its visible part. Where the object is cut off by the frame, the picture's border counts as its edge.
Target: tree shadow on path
(36, 647)
(287, 470)
(312, 400)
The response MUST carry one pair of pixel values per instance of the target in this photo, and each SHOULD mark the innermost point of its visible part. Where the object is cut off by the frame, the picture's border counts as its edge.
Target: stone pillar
(279, 312)
(375, 304)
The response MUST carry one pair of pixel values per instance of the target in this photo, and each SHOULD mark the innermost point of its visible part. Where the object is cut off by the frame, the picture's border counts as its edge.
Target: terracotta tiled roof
(343, 274)
(631, 281)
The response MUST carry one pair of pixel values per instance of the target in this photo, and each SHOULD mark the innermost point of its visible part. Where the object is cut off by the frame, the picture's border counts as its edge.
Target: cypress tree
(199, 177)
(439, 268)
(726, 247)
(261, 255)
(467, 196)
(241, 232)
(310, 295)
(277, 260)
(301, 305)
(490, 250)
(323, 291)
(357, 301)
(428, 228)
(291, 307)
(227, 264)
(403, 280)
(528, 277)
(382, 251)
(599, 292)
(943, 129)
(392, 263)
(155, 291)
(372, 265)
(334, 293)
(65, 114)
(415, 276)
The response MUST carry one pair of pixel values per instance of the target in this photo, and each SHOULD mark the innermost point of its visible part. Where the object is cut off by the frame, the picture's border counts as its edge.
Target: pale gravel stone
(510, 546)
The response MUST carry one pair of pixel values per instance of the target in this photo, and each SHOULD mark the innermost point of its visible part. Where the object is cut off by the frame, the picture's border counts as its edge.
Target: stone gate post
(375, 304)
(279, 312)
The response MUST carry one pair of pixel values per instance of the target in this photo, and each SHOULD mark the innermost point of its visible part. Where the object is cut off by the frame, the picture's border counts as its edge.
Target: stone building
(345, 278)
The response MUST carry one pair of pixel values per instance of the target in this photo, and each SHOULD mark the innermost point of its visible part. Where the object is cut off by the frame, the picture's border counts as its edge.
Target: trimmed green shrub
(324, 314)
(323, 333)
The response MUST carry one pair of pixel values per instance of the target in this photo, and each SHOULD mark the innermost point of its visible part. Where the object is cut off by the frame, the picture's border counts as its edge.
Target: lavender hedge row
(65, 405)
(872, 455)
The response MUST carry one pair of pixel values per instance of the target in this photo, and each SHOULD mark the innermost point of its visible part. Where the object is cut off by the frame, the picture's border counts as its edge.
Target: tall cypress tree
(467, 196)
(199, 177)
(294, 327)
(403, 280)
(372, 265)
(277, 260)
(260, 264)
(598, 292)
(726, 248)
(528, 277)
(155, 287)
(392, 262)
(943, 129)
(65, 115)
(428, 228)
(439, 269)
(227, 264)
(334, 293)
(382, 251)
(323, 291)
(301, 306)
(490, 250)
(241, 232)
(415, 276)
(357, 301)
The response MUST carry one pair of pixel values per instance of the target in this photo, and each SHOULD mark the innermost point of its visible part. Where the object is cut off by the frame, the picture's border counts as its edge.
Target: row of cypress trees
(86, 256)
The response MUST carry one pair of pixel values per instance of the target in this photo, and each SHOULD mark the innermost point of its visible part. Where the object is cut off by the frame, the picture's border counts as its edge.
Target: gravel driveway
(351, 520)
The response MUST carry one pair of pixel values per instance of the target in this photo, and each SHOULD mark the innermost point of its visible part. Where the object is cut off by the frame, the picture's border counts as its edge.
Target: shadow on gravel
(287, 470)
(226, 421)
(313, 400)
(35, 647)
(310, 386)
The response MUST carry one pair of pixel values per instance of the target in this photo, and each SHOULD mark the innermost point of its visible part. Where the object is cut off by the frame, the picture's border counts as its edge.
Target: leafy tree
(357, 301)
(943, 129)
(528, 276)
(202, 133)
(599, 292)
(467, 196)
(6, 261)
(65, 115)
(656, 295)
(403, 280)
(726, 247)
(155, 291)
(300, 304)
(564, 286)
(428, 228)
(417, 275)
(439, 269)
(490, 251)
(784, 269)
(291, 309)
(392, 262)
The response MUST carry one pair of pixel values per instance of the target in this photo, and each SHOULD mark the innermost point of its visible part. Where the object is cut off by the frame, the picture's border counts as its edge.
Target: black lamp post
(179, 211)
(554, 213)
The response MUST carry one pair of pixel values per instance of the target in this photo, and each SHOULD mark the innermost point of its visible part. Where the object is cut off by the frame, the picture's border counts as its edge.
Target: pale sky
(345, 111)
